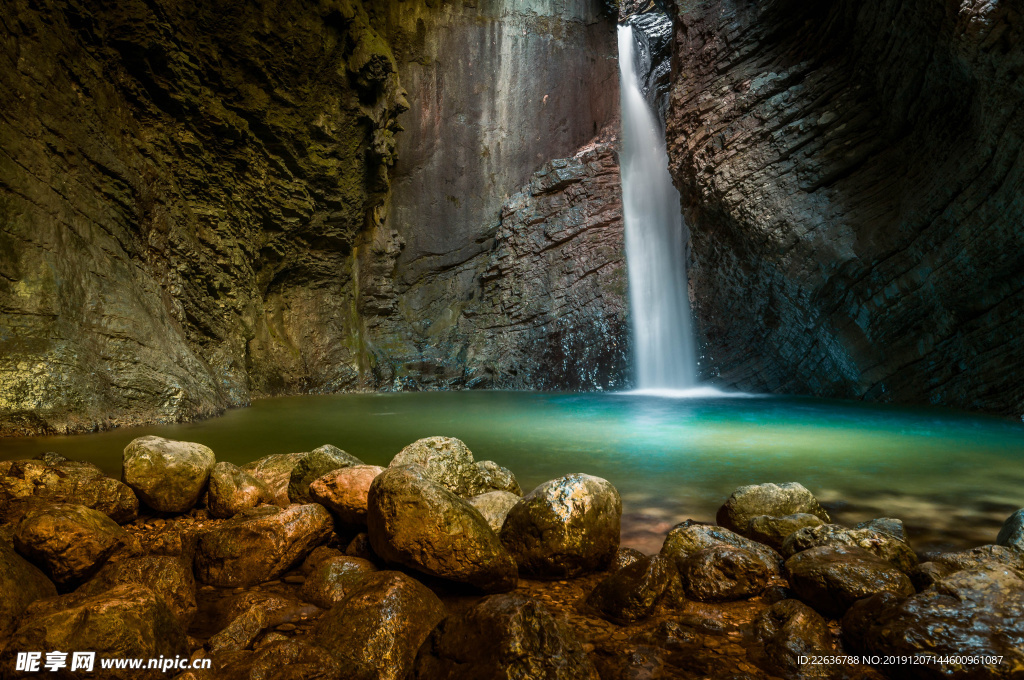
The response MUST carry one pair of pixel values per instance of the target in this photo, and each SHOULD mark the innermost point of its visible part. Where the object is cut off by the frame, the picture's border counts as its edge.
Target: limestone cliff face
(853, 175)
(199, 203)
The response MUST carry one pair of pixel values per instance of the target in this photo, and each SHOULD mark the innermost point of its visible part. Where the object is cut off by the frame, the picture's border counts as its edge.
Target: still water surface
(951, 477)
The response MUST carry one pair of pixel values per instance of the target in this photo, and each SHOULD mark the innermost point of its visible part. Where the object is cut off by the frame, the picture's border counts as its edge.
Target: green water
(951, 477)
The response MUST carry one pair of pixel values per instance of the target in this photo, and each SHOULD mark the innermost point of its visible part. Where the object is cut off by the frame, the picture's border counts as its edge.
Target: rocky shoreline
(314, 565)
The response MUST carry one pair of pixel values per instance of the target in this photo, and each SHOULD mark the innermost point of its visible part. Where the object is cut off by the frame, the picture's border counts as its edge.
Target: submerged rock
(276, 472)
(504, 637)
(975, 612)
(689, 538)
(334, 579)
(831, 578)
(565, 527)
(416, 522)
(260, 545)
(127, 621)
(883, 546)
(1011, 535)
(886, 525)
(632, 592)
(376, 631)
(775, 500)
(68, 542)
(233, 490)
(21, 584)
(51, 478)
(169, 578)
(772, 531)
(167, 475)
(344, 492)
(316, 464)
(724, 572)
(449, 462)
(791, 633)
(494, 506)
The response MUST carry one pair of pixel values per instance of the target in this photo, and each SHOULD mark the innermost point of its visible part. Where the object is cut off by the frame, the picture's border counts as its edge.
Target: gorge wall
(853, 176)
(200, 204)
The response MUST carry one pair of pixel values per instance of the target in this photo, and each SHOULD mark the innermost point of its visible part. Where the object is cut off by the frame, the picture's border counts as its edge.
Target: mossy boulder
(316, 464)
(450, 463)
(233, 490)
(167, 475)
(883, 546)
(690, 537)
(334, 579)
(275, 471)
(775, 500)
(831, 578)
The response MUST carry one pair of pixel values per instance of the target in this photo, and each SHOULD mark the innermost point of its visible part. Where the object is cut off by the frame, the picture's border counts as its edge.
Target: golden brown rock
(344, 492)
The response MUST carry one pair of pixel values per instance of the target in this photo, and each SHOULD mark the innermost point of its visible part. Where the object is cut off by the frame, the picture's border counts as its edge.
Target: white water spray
(655, 241)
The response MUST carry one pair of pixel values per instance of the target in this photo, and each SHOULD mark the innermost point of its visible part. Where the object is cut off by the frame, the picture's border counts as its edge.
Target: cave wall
(853, 178)
(200, 204)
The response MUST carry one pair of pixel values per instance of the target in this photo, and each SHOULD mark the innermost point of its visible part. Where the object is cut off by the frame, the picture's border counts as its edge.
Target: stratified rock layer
(852, 176)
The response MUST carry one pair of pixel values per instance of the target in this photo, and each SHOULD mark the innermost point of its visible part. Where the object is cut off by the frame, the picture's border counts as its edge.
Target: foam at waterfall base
(698, 392)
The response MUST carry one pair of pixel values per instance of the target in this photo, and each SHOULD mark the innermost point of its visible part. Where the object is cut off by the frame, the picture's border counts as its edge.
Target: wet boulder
(252, 614)
(69, 543)
(344, 492)
(21, 584)
(376, 631)
(831, 578)
(276, 472)
(504, 637)
(127, 621)
(494, 506)
(316, 464)
(775, 500)
(449, 462)
(625, 557)
(260, 545)
(167, 475)
(886, 525)
(722, 573)
(791, 633)
(294, 660)
(318, 555)
(418, 523)
(975, 612)
(1011, 535)
(233, 490)
(51, 478)
(691, 537)
(883, 546)
(773, 531)
(632, 592)
(947, 564)
(334, 579)
(565, 527)
(169, 578)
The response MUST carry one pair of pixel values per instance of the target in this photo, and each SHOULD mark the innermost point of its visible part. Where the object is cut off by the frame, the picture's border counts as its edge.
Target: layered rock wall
(853, 176)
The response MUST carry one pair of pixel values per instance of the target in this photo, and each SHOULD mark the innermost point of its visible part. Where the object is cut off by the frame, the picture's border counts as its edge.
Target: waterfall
(663, 348)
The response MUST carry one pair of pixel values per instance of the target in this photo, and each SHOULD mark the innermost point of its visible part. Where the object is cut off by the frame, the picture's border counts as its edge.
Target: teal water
(952, 477)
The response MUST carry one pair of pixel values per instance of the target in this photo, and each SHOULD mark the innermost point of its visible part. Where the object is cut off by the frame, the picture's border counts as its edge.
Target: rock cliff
(853, 176)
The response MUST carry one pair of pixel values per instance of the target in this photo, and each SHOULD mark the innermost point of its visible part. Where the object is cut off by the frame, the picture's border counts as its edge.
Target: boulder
(946, 564)
(51, 478)
(260, 545)
(504, 637)
(21, 584)
(276, 472)
(691, 537)
(127, 621)
(772, 531)
(632, 592)
(776, 500)
(169, 578)
(334, 579)
(316, 464)
(450, 463)
(565, 527)
(344, 492)
(416, 522)
(886, 525)
(1012, 533)
(233, 490)
(167, 475)
(494, 506)
(790, 633)
(294, 660)
(883, 546)
(975, 612)
(318, 555)
(254, 613)
(376, 631)
(723, 573)
(831, 578)
(68, 542)
(625, 557)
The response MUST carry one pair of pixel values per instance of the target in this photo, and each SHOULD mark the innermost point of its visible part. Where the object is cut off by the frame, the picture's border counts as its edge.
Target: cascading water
(655, 240)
